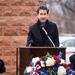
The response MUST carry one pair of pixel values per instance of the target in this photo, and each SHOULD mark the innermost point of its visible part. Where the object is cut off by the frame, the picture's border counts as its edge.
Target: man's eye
(44, 13)
(41, 14)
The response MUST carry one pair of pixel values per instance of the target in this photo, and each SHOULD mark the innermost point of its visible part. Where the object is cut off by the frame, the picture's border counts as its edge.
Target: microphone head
(31, 42)
(42, 25)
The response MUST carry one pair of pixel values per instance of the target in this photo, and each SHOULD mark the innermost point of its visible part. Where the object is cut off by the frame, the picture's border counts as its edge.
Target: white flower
(62, 61)
(42, 63)
(28, 69)
(35, 60)
(61, 71)
(50, 61)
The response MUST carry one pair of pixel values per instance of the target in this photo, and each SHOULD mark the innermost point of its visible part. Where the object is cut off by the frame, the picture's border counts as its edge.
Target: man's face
(42, 16)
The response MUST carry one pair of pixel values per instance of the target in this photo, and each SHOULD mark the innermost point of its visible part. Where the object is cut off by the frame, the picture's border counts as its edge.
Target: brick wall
(15, 18)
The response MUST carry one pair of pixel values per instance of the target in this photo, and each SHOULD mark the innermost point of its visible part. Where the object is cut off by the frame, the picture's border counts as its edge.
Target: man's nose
(43, 15)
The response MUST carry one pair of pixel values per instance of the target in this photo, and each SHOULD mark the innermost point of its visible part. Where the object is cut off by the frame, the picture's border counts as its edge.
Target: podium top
(43, 47)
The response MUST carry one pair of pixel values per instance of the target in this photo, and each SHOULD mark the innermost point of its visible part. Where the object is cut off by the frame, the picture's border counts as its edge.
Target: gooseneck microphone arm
(30, 43)
(47, 35)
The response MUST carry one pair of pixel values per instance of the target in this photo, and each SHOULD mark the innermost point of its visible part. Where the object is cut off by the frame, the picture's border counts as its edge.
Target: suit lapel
(38, 33)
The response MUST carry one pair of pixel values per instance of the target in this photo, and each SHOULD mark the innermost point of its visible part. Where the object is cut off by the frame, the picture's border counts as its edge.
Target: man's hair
(43, 8)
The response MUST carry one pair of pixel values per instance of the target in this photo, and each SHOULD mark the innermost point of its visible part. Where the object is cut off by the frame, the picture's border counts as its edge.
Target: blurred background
(62, 12)
(17, 15)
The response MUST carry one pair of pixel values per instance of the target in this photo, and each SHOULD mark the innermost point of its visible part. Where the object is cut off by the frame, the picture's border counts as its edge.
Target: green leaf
(48, 55)
(25, 71)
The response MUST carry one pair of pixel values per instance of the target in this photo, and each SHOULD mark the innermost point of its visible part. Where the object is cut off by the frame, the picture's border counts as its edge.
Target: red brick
(11, 70)
(15, 18)
(13, 60)
(10, 31)
(24, 2)
(0, 51)
(23, 30)
(5, 41)
(5, 21)
(10, 11)
(0, 10)
(4, 2)
(16, 2)
(31, 2)
(30, 20)
(22, 21)
(28, 11)
(19, 40)
(18, 21)
(0, 31)
(9, 51)
(19, 10)
(12, 21)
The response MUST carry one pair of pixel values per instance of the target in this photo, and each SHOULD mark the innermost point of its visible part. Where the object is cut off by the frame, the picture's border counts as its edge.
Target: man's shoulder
(52, 23)
(33, 26)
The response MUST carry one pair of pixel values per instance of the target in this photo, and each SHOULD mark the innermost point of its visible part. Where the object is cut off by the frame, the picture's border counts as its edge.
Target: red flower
(58, 61)
(38, 69)
(55, 57)
(30, 65)
(38, 63)
(65, 65)
(42, 57)
(49, 67)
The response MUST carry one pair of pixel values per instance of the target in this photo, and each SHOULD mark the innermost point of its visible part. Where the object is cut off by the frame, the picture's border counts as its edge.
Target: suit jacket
(39, 37)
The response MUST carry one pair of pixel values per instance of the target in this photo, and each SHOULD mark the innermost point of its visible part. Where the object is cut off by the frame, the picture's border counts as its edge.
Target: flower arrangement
(48, 65)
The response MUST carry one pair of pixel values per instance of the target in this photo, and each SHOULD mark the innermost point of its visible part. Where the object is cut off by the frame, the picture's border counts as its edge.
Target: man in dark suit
(37, 36)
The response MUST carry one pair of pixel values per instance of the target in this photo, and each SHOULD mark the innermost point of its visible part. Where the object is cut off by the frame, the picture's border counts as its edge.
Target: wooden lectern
(25, 54)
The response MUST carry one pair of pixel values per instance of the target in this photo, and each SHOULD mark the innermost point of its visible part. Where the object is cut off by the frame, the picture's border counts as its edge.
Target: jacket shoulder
(52, 23)
(33, 26)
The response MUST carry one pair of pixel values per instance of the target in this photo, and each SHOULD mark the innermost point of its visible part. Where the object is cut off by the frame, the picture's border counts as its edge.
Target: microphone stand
(48, 36)
(30, 43)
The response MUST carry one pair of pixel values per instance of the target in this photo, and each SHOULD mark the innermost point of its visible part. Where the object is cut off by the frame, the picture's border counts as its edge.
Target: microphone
(30, 43)
(42, 26)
